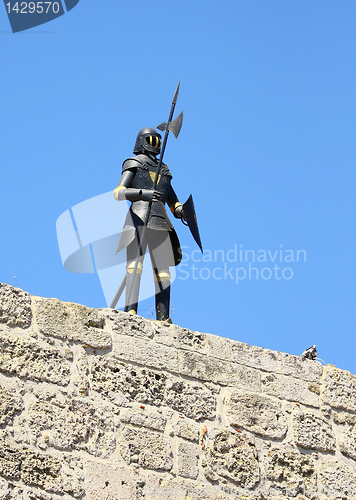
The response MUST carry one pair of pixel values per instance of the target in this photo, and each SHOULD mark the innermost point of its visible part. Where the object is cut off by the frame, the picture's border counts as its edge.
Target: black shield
(191, 220)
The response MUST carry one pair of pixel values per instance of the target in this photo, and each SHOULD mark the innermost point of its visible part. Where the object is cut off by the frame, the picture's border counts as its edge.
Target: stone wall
(99, 404)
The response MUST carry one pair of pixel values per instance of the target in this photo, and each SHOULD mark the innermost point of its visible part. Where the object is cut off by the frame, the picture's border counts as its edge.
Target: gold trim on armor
(162, 276)
(173, 207)
(153, 175)
(130, 268)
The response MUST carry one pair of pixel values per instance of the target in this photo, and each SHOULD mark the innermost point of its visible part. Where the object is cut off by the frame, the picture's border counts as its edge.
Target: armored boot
(163, 293)
(131, 305)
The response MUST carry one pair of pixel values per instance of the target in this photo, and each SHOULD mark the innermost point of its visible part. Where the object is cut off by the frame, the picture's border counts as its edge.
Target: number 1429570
(33, 7)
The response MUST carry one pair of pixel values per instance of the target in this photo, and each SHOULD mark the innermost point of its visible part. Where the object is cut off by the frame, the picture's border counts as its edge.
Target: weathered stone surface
(166, 487)
(180, 338)
(10, 403)
(147, 449)
(339, 389)
(123, 323)
(312, 431)
(215, 370)
(193, 400)
(66, 320)
(37, 469)
(135, 383)
(187, 464)
(146, 386)
(9, 491)
(347, 429)
(257, 413)
(263, 359)
(15, 307)
(112, 481)
(140, 414)
(234, 457)
(337, 480)
(144, 418)
(40, 495)
(81, 371)
(187, 429)
(73, 424)
(27, 359)
(289, 388)
(146, 353)
(290, 472)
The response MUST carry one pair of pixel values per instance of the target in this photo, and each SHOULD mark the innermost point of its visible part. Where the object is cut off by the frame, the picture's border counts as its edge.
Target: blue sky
(267, 149)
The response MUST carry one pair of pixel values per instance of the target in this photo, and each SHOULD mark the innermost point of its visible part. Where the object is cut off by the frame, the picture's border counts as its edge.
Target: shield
(191, 220)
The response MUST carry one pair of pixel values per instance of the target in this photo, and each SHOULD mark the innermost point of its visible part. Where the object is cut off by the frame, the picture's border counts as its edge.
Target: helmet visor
(154, 141)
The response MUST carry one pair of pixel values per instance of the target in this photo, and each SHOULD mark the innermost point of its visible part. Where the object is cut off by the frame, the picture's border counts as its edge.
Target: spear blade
(175, 97)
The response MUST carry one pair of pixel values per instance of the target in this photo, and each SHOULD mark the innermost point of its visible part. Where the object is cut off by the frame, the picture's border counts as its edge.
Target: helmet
(148, 140)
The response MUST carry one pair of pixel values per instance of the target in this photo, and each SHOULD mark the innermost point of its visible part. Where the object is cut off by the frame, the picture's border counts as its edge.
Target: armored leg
(132, 280)
(131, 302)
(161, 257)
(163, 293)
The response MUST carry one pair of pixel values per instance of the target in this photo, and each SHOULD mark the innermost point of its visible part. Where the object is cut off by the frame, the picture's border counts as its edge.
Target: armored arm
(125, 192)
(174, 204)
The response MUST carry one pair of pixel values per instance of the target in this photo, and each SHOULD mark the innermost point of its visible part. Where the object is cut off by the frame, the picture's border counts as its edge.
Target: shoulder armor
(165, 171)
(131, 163)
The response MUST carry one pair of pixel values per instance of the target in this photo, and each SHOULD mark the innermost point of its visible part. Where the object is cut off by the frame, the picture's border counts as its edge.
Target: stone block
(73, 424)
(9, 491)
(187, 429)
(218, 371)
(144, 418)
(257, 413)
(10, 403)
(289, 388)
(339, 390)
(123, 323)
(180, 338)
(302, 368)
(193, 400)
(66, 320)
(337, 480)
(112, 481)
(146, 353)
(15, 307)
(234, 457)
(81, 371)
(346, 426)
(143, 385)
(187, 460)
(166, 487)
(43, 471)
(312, 431)
(40, 495)
(30, 360)
(135, 383)
(146, 449)
(290, 472)
(263, 359)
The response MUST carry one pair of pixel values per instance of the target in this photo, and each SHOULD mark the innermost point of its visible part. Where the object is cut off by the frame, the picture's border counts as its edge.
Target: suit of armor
(136, 185)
